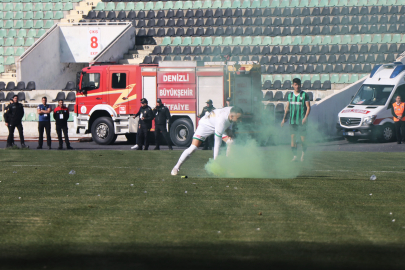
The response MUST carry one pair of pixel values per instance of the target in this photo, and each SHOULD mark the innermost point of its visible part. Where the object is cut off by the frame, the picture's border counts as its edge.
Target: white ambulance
(369, 115)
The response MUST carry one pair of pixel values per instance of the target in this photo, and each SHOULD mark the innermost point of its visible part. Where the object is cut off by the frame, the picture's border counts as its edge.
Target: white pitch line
(357, 171)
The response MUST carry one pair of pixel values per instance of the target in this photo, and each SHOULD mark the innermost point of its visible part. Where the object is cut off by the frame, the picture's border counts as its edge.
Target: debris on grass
(371, 194)
(19, 198)
(145, 191)
(219, 231)
(14, 172)
(72, 172)
(77, 184)
(257, 229)
(393, 220)
(260, 213)
(390, 213)
(373, 177)
(185, 191)
(131, 185)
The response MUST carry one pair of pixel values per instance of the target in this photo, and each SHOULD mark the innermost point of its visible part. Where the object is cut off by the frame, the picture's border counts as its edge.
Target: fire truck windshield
(90, 81)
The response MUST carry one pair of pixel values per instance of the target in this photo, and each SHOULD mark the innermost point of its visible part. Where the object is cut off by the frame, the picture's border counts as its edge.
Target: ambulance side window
(400, 91)
(119, 80)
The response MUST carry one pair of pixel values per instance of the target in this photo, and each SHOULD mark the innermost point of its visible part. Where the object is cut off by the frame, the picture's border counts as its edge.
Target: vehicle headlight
(368, 120)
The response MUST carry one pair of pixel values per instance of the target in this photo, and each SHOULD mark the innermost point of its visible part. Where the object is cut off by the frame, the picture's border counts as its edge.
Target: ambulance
(368, 116)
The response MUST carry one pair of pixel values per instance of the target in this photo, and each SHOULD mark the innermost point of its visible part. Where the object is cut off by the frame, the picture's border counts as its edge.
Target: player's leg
(303, 130)
(186, 154)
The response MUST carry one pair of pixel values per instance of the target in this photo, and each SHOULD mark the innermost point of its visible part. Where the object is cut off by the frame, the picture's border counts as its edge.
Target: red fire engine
(109, 95)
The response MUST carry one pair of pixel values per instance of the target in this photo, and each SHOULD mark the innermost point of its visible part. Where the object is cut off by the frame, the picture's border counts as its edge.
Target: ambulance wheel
(181, 132)
(102, 131)
(387, 133)
(351, 139)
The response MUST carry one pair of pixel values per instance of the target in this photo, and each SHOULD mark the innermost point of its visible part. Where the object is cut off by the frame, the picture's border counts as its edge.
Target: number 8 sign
(94, 41)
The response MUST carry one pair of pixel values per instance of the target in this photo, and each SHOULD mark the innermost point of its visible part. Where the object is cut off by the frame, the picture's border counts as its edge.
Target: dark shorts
(297, 129)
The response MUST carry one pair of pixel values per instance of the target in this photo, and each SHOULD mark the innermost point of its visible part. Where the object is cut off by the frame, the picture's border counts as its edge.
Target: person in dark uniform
(162, 115)
(61, 116)
(44, 122)
(15, 114)
(209, 143)
(397, 111)
(228, 102)
(7, 116)
(145, 114)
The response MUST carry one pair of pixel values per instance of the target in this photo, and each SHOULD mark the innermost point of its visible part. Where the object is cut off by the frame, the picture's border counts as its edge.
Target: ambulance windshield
(372, 95)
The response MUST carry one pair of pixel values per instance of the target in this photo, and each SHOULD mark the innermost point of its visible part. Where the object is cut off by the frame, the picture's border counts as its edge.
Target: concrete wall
(324, 113)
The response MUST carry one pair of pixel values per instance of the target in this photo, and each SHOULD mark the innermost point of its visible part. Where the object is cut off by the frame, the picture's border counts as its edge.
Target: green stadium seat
(71, 117)
(1, 71)
(168, 5)
(326, 40)
(48, 15)
(48, 7)
(176, 41)
(334, 78)
(19, 42)
(189, 5)
(29, 15)
(197, 4)
(18, 7)
(3, 33)
(361, 76)
(120, 6)
(255, 4)
(317, 40)
(324, 3)
(342, 3)
(265, 4)
(376, 39)
(32, 117)
(287, 40)
(58, 6)
(362, 3)
(29, 24)
(9, 24)
(306, 77)
(246, 4)
(257, 41)
(9, 51)
(382, 3)
(149, 6)
(40, 33)
(275, 3)
(100, 6)
(217, 4)
(284, 3)
(8, 7)
(366, 39)
(36, 1)
(12, 33)
(227, 4)
(1, 15)
(304, 3)
(354, 78)
(353, 3)
(266, 41)
(58, 15)
(297, 40)
(177, 5)
(110, 6)
(19, 24)
(51, 116)
(396, 38)
(39, 24)
(158, 5)
(207, 4)
(267, 78)
(19, 51)
(39, 15)
(400, 2)
(247, 41)
(237, 41)
(187, 41)
(356, 39)
(372, 2)
(130, 6)
(344, 78)
(307, 40)
(1, 24)
(287, 78)
(325, 77)
(197, 41)
(227, 41)
(298, 76)
(337, 39)
(49, 24)
(38, 7)
(217, 41)
(207, 41)
(277, 41)
(9, 15)
(314, 3)
(31, 33)
(347, 39)
(19, 15)
(315, 77)
(76, 1)
(333, 3)
(278, 78)
(28, 7)
(387, 38)
(1, 50)
(236, 4)
(166, 41)
(29, 41)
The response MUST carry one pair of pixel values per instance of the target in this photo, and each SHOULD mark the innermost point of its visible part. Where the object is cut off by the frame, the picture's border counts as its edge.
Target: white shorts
(203, 132)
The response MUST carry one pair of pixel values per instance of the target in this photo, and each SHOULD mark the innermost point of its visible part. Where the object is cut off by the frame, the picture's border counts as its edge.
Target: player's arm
(308, 104)
(219, 130)
(286, 110)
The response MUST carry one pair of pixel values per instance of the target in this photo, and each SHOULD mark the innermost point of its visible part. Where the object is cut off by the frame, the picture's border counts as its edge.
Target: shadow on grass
(235, 255)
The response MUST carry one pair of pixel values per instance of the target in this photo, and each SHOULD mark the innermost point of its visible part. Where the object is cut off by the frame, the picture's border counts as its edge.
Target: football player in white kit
(216, 122)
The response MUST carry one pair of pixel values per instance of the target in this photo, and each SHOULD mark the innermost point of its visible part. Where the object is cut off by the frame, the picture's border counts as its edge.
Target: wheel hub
(387, 133)
(102, 131)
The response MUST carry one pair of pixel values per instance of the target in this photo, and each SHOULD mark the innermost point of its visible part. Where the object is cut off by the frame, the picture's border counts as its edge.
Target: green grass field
(128, 212)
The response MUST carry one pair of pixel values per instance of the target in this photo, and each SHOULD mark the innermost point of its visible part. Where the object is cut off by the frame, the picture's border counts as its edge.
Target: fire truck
(108, 95)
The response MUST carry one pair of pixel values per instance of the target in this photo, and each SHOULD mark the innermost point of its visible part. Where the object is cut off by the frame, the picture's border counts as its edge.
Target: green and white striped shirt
(298, 109)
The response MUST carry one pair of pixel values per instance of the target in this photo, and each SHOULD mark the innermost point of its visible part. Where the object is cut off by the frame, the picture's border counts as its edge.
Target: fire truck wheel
(102, 131)
(181, 132)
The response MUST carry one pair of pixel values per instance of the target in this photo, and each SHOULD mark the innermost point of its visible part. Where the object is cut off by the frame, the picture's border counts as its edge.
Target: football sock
(294, 150)
(185, 155)
(304, 147)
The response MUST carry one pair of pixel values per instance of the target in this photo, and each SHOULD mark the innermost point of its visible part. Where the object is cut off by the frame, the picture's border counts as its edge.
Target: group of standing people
(14, 114)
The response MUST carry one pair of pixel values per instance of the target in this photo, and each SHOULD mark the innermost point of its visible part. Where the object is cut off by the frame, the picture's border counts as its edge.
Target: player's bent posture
(299, 107)
(216, 122)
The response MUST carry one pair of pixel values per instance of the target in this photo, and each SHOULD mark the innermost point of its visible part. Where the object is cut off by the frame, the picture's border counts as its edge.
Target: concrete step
(142, 53)
(131, 61)
(144, 47)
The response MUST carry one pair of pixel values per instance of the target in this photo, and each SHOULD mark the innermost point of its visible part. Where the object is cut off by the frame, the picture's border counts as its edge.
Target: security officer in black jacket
(145, 114)
(162, 115)
(15, 113)
(209, 143)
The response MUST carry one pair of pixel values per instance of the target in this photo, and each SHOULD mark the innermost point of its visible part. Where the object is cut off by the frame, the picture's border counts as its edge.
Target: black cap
(209, 101)
(144, 100)
(228, 99)
(158, 100)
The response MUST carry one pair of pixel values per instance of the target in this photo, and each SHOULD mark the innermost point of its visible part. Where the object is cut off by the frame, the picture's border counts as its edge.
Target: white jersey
(217, 121)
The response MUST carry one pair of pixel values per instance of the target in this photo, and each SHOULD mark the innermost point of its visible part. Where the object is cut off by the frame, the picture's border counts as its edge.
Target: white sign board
(94, 41)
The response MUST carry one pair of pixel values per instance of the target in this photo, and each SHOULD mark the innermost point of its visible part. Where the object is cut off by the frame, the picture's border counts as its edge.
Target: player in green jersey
(299, 107)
